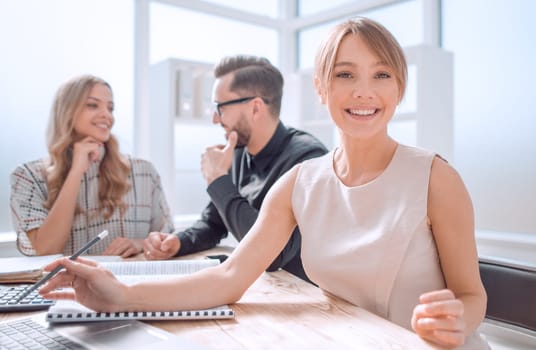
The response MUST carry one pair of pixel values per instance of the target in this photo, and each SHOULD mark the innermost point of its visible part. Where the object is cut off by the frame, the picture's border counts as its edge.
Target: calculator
(9, 295)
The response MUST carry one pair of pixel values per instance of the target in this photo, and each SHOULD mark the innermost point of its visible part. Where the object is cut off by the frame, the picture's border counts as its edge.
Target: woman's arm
(53, 234)
(449, 317)
(223, 284)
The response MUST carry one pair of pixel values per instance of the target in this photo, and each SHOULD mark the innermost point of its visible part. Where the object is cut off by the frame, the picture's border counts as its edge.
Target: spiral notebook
(68, 311)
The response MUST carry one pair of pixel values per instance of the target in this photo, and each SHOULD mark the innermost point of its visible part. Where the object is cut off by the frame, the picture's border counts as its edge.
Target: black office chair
(511, 293)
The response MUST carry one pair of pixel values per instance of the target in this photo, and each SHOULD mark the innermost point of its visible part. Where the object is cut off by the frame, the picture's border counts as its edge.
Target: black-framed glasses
(232, 102)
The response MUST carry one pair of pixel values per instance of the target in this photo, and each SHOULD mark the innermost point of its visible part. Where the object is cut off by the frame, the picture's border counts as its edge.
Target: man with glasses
(247, 95)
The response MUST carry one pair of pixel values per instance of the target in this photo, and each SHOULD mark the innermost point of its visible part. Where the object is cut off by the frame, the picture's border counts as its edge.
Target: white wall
(495, 104)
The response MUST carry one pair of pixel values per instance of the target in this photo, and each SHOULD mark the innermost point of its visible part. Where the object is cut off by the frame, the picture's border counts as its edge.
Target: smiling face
(363, 92)
(96, 115)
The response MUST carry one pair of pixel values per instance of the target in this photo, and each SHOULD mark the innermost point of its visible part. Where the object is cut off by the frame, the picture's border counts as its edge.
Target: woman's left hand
(124, 247)
(439, 318)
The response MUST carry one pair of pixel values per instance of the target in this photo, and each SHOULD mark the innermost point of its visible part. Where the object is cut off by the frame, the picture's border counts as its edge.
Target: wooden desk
(281, 311)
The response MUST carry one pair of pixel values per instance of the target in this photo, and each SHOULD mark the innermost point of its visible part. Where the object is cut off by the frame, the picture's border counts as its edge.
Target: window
(404, 20)
(494, 108)
(312, 7)
(265, 7)
(177, 33)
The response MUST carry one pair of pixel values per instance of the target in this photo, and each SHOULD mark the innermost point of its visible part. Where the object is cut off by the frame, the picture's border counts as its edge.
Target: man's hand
(217, 160)
(439, 318)
(161, 246)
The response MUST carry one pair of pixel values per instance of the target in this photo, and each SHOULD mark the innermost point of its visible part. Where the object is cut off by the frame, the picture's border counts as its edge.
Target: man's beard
(243, 132)
(242, 140)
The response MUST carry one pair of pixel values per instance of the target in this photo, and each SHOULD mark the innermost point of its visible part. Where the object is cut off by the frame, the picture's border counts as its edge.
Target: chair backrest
(511, 293)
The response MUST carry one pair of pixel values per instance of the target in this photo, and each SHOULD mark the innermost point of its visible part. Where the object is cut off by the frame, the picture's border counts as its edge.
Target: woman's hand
(92, 285)
(124, 247)
(85, 152)
(439, 318)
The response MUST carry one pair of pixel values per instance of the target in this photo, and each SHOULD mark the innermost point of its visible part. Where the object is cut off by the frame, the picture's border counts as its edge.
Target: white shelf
(180, 93)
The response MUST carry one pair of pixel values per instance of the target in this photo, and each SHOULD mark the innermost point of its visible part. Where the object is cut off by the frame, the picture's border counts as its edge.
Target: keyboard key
(9, 295)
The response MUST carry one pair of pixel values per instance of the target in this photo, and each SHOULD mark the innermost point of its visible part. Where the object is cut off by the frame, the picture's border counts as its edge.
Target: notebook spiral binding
(139, 315)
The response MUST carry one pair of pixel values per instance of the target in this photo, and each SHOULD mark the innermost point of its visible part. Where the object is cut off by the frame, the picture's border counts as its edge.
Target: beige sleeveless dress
(370, 244)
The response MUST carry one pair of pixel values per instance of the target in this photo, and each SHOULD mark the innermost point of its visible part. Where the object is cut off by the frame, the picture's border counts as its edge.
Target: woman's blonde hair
(113, 172)
(380, 41)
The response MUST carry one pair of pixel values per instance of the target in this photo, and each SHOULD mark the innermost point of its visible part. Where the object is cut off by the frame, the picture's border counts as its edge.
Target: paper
(24, 268)
(158, 267)
(103, 258)
(25, 263)
(130, 272)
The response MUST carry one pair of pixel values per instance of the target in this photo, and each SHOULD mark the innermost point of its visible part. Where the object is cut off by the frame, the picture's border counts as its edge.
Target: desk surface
(282, 311)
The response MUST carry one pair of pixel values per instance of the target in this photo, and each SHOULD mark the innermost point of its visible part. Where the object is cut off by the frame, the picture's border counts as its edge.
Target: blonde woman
(385, 226)
(85, 185)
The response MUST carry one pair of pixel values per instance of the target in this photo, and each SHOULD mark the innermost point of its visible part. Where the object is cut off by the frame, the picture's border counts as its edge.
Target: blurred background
(471, 94)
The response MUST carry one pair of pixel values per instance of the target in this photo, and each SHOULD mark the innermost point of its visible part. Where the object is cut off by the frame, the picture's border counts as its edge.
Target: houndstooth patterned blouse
(147, 209)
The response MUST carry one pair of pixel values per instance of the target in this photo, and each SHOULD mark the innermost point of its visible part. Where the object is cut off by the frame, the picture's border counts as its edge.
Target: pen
(59, 267)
